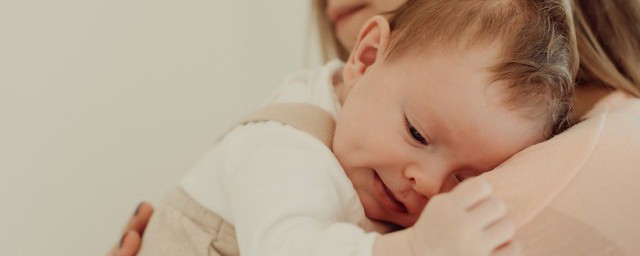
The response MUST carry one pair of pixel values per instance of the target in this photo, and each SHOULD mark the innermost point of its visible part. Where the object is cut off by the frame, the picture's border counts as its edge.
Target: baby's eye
(416, 135)
(463, 175)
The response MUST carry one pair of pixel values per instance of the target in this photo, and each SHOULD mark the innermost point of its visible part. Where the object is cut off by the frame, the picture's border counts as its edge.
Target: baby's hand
(465, 221)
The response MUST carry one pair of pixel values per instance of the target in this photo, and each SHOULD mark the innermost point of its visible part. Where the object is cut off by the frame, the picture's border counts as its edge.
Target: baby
(434, 93)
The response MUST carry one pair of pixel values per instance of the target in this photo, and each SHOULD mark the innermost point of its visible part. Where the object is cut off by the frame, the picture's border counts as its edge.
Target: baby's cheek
(448, 184)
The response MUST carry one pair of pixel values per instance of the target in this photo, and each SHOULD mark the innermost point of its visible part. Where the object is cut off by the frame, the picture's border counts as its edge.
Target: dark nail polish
(122, 240)
(137, 209)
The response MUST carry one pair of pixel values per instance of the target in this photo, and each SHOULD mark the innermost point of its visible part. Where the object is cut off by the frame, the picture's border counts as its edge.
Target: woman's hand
(132, 234)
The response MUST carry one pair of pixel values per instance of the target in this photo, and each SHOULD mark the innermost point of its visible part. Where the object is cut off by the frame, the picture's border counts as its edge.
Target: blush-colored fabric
(579, 193)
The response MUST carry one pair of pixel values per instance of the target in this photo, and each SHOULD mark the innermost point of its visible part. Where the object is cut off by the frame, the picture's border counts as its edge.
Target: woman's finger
(140, 218)
(131, 239)
(129, 244)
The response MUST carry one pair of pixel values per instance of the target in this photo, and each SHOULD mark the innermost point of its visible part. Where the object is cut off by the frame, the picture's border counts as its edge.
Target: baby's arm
(291, 197)
(466, 221)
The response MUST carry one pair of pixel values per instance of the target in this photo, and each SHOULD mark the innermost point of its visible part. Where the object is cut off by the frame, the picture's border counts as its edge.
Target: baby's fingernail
(122, 240)
(137, 209)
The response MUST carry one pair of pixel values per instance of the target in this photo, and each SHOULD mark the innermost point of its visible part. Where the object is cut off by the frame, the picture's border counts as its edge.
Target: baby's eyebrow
(435, 127)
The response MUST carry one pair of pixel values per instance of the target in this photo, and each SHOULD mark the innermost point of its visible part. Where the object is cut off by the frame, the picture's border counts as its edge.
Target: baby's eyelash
(415, 135)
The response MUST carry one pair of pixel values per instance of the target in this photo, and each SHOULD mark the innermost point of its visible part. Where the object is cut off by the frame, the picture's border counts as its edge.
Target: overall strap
(302, 116)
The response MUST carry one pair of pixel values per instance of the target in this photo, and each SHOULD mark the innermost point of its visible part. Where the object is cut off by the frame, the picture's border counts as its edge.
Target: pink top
(579, 193)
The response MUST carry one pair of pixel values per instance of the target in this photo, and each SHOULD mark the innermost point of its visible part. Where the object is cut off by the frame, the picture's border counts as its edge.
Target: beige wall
(106, 103)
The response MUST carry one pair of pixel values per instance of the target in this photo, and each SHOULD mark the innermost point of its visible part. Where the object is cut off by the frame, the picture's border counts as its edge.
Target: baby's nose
(424, 182)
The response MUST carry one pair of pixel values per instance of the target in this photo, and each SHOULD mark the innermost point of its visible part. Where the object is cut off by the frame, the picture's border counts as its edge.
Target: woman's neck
(587, 96)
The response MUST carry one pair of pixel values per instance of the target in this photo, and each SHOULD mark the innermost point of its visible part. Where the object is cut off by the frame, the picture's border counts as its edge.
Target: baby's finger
(488, 211)
(510, 249)
(500, 232)
(470, 192)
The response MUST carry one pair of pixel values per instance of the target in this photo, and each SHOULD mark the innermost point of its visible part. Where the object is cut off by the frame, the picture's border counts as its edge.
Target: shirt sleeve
(288, 198)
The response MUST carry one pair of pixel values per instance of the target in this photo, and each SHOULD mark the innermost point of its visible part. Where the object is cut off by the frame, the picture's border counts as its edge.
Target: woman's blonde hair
(608, 34)
(329, 45)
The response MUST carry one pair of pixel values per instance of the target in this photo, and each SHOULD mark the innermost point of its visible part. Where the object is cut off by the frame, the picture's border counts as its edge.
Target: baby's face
(418, 125)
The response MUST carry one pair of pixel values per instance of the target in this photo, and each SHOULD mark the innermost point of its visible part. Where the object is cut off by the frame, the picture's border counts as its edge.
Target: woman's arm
(132, 234)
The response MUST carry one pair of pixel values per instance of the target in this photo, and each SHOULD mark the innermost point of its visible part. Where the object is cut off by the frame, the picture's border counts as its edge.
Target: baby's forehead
(472, 126)
(470, 72)
(455, 69)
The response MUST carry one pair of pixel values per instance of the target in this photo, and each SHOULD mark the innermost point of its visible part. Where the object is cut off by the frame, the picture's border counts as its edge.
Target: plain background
(104, 103)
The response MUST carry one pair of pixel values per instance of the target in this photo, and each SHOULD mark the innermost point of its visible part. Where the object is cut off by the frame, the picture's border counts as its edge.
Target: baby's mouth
(386, 197)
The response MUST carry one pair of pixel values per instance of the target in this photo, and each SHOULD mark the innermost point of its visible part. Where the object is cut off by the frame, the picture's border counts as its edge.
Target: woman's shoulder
(623, 104)
(617, 103)
(581, 185)
(604, 140)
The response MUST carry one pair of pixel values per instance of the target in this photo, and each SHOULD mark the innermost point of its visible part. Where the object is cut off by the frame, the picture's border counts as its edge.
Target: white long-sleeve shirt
(282, 189)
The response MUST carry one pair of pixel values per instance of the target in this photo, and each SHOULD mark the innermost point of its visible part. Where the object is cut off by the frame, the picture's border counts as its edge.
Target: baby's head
(439, 91)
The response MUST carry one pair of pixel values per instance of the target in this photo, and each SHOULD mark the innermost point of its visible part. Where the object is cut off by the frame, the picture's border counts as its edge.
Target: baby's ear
(370, 48)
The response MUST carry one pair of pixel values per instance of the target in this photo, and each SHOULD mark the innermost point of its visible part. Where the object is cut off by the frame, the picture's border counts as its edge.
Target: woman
(584, 180)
